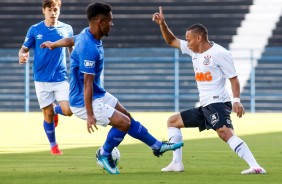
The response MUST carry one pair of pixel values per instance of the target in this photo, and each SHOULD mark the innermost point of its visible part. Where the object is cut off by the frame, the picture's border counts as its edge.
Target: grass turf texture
(205, 160)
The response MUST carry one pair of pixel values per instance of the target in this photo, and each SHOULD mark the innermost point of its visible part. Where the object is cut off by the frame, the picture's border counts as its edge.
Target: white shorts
(49, 92)
(103, 109)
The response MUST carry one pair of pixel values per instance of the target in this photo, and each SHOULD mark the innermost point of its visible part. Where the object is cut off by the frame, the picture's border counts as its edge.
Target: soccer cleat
(107, 163)
(55, 150)
(56, 120)
(167, 146)
(173, 167)
(254, 170)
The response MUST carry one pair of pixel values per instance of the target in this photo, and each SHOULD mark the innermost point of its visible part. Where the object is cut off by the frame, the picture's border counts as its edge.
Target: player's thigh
(44, 95)
(61, 91)
(119, 107)
(120, 121)
(103, 109)
(193, 118)
(218, 115)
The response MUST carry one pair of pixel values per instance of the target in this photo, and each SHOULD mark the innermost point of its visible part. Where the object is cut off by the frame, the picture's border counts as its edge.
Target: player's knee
(172, 121)
(67, 112)
(224, 133)
(124, 124)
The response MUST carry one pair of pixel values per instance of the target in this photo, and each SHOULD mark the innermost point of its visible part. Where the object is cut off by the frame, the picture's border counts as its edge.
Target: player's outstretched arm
(23, 55)
(168, 36)
(238, 108)
(64, 42)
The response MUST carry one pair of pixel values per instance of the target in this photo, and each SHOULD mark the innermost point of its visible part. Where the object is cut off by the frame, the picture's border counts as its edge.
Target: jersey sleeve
(70, 31)
(226, 64)
(29, 41)
(184, 48)
(87, 61)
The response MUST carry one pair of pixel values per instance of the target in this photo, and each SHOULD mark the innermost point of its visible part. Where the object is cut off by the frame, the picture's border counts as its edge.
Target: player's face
(193, 41)
(106, 24)
(51, 14)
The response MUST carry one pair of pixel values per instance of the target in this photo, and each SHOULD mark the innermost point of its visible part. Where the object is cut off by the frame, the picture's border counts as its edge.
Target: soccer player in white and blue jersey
(90, 101)
(212, 66)
(49, 67)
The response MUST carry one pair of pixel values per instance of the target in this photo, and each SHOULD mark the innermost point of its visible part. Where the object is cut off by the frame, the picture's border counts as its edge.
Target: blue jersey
(48, 65)
(87, 58)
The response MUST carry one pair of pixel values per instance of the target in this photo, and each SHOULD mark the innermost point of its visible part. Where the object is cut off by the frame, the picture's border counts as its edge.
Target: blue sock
(114, 138)
(58, 110)
(50, 132)
(138, 131)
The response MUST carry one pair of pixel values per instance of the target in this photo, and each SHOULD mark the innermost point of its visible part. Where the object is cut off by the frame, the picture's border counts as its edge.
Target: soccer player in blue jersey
(49, 67)
(90, 101)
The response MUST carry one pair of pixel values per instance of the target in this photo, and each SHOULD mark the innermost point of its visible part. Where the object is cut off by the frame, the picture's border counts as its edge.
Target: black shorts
(212, 116)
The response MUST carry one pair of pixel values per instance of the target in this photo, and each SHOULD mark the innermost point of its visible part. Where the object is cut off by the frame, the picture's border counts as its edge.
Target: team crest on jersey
(39, 36)
(89, 64)
(214, 118)
(207, 60)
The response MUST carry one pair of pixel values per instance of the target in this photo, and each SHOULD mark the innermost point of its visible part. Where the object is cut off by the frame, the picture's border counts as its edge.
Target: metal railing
(114, 55)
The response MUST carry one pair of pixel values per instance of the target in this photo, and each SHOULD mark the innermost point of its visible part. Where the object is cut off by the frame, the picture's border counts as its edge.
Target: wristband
(236, 100)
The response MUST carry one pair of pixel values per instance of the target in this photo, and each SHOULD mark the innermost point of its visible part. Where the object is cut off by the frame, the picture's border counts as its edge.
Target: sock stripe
(238, 147)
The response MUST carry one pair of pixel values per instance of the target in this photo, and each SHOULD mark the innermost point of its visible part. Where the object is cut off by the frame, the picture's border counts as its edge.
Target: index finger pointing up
(161, 10)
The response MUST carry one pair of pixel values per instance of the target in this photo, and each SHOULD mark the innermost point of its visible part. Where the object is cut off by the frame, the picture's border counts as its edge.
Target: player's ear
(199, 37)
(43, 11)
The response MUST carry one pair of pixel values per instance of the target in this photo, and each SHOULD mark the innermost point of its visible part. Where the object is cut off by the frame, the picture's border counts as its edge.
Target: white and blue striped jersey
(48, 65)
(87, 57)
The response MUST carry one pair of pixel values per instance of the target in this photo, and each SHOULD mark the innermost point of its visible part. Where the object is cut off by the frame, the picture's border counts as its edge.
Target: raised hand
(158, 17)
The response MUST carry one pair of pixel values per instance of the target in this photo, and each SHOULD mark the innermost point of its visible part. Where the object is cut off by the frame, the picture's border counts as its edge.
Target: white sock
(242, 150)
(174, 135)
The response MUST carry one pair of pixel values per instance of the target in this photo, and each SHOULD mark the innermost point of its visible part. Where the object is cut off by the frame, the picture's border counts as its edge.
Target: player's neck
(95, 33)
(50, 23)
(205, 46)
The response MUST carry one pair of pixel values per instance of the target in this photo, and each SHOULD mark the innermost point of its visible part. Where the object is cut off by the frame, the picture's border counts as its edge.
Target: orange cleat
(55, 150)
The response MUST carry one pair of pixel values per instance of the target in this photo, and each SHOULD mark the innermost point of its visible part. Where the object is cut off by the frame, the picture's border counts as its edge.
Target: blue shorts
(212, 116)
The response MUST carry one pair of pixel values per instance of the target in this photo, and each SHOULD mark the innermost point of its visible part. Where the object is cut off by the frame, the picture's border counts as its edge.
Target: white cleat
(173, 167)
(254, 170)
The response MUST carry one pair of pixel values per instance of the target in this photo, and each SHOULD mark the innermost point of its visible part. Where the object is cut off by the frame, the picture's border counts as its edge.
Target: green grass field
(206, 160)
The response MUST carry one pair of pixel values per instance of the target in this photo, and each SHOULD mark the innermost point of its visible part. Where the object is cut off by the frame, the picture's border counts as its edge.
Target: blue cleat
(167, 146)
(107, 163)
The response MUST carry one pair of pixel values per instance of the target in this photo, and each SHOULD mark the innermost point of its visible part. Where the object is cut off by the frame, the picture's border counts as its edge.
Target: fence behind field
(148, 79)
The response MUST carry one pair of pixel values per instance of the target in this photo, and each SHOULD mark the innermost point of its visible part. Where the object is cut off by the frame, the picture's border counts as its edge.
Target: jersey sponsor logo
(214, 118)
(203, 76)
(207, 60)
(89, 64)
(39, 36)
